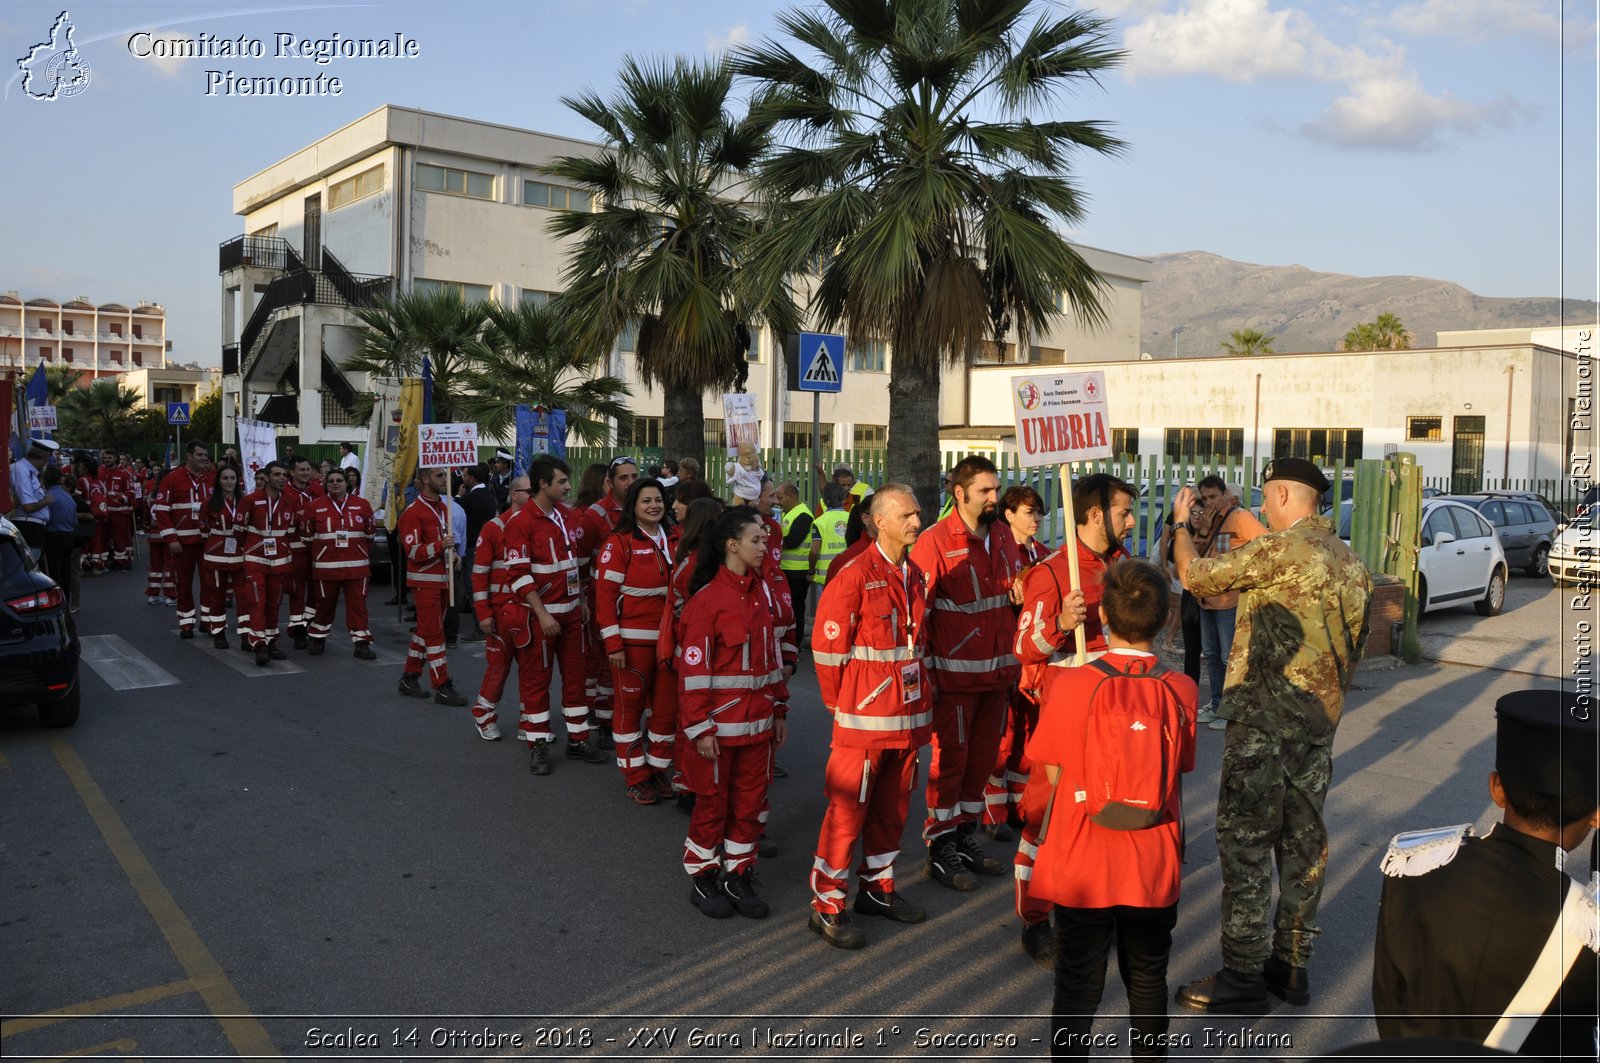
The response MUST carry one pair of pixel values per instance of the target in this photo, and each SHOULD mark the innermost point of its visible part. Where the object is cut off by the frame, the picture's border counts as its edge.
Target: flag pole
(1070, 546)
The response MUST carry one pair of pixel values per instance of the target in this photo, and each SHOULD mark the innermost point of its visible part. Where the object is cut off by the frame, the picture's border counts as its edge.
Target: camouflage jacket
(1301, 626)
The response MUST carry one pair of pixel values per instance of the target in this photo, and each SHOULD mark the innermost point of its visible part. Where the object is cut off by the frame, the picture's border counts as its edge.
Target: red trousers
(185, 564)
(644, 688)
(966, 739)
(427, 638)
(216, 583)
(535, 671)
(98, 552)
(326, 592)
(597, 682)
(159, 584)
(497, 657)
(1011, 766)
(726, 822)
(869, 794)
(298, 583)
(261, 598)
(1035, 799)
(119, 532)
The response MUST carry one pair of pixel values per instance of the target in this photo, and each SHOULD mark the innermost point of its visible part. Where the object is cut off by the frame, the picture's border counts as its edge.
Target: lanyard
(905, 586)
(335, 503)
(232, 512)
(272, 511)
(555, 517)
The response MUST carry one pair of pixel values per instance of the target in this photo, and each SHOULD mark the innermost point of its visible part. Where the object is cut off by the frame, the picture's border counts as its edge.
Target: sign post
(816, 364)
(1062, 419)
(178, 416)
(447, 446)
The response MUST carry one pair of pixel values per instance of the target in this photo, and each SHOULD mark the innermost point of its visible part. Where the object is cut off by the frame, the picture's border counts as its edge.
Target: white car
(1460, 559)
(1575, 553)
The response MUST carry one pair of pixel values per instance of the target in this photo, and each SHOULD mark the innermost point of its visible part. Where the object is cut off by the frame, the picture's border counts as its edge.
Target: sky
(1453, 139)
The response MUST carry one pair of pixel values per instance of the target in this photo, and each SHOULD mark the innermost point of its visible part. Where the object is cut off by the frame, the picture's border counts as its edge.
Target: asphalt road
(221, 865)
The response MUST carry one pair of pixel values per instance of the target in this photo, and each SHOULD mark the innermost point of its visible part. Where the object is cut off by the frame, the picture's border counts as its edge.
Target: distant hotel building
(102, 340)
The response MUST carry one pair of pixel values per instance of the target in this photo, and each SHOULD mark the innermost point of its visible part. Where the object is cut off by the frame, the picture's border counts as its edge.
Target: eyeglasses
(622, 461)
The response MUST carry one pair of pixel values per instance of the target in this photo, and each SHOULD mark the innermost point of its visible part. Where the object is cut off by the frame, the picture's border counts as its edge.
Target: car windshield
(14, 558)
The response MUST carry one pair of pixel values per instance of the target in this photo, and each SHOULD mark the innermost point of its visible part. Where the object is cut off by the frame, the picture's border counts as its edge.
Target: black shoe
(686, 803)
(602, 738)
(318, 646)
(447, 694)
(837, 929)
(364, 651)
(539, 758)
(972, 853)
(705, 893)
(298, 634)
(888, 904)
(392, 601)
(741, 890)
(1000, 832)
(946, 867)
(1039, 942)
(411, 686)
(472, 636)
(1228, 992)
(186, 633)
(220, 640)
(261, 656)
(1288, 983)
(584, 751)
(766, 848)
(450, 644)
(275, 653)
(778, 772)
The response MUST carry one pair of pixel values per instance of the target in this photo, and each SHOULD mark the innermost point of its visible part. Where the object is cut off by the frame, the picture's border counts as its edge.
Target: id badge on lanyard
(341, 539)
(230, 545)
(572, 583)
(269, 547)
(911, 682)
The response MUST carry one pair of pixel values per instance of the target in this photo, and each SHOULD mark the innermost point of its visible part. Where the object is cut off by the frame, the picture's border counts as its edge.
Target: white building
(157, 387)
(99, 340)
(420, 199)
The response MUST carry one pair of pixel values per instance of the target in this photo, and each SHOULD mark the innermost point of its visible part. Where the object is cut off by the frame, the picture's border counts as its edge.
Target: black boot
(837, 929)
(318, 646)
(972, 853)
(741, 890)
(706, 894)
(1288, 983)
(1228, 992)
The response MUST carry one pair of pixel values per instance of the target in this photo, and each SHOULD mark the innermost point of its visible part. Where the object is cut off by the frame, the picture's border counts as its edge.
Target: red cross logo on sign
(1090, 388)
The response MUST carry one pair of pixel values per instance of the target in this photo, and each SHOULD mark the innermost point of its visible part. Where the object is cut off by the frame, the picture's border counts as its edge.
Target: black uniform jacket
(1456, 943)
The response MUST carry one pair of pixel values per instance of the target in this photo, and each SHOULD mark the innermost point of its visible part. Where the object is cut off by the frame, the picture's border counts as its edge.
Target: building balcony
(262, 252)
(40, 333)
(11, 331)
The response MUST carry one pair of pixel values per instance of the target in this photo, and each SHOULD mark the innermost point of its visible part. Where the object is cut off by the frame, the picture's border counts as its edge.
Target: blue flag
(539, 432)
(38, 394)
(427, 391)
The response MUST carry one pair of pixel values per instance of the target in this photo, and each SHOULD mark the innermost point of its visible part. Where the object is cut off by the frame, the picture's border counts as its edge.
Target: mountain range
(1194, 299)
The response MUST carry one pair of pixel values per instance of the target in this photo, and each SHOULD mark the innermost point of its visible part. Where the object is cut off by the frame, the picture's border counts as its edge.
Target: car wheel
(1422, 597)
(1539, 567)
(62, 713)
(1494, 599)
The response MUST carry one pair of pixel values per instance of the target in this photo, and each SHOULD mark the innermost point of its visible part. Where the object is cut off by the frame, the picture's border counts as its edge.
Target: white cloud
(730, 38)
(1477, 21)
(1397, 114)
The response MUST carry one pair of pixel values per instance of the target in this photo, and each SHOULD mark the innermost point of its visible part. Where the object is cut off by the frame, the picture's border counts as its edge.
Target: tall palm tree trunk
(683, 433)
(914, 431)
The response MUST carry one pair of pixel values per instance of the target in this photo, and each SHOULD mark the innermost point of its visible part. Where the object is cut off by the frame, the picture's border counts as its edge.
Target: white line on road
(122, 666)
(241, 662)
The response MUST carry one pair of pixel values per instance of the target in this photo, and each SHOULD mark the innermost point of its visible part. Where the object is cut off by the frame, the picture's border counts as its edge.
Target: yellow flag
(405, 458)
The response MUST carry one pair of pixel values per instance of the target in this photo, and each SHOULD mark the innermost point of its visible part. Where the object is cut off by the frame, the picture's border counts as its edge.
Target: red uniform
(593, 527)
(178, 524)
(848, 554)
(868, 643)
(221, 563)
(782, 599)
(97, 555)
(421, 533)
(492, 600)
(340, 534)
(270, 522)
(159, 586)
(731, 686)
(540, 558)
(120, 496)
(632, 587)
(1003, 791)
(301, 599)
(1041, 647)
(971, 626)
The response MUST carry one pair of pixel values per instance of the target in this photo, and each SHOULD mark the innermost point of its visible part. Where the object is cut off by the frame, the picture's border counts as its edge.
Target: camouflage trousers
(1270, 810)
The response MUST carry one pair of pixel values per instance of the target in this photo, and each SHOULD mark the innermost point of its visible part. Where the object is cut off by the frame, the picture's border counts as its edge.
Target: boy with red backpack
(1114, 737)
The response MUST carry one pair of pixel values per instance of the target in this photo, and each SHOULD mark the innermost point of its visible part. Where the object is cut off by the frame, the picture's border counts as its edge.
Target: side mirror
(1444, 538)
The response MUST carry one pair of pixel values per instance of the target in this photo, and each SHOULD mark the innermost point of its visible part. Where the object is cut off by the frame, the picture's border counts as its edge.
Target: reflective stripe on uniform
(883, 723)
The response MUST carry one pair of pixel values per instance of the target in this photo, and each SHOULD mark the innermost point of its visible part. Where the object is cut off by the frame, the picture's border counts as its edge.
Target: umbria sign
(1061, 418)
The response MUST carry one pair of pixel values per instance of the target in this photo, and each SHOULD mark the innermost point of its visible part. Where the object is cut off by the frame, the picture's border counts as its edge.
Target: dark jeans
(799, 591)
(32, 534)
(58, 559)
(1084, 936)
(1189, 616)
(452, 617)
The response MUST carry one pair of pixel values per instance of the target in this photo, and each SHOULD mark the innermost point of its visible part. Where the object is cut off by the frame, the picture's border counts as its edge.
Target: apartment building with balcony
(103, 339)
(402, 199)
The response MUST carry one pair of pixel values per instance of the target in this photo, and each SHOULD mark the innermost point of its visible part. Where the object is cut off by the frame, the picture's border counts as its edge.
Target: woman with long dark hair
(632, 587)
(685, 495)
(221, 560)
(591, 486)
(732, 704)
(1020, 511)
(702, 513)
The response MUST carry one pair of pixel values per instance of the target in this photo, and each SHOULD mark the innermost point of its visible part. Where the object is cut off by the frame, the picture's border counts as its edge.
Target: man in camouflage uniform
(1302, 624)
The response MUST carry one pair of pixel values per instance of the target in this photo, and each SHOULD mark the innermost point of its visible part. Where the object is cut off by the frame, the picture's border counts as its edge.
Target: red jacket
(341, 539)
(302, 501)
(1040, 642)
(592, 528)
(539, 557)
(94, 493)
(677, 598)
(177, 511)
(971, 624)
(119, 488)
(491, 577)
(870, 657)
(848, 554)
(224, 527)
(632, 588)
(269, 524)
(422, 529)
(729, 667)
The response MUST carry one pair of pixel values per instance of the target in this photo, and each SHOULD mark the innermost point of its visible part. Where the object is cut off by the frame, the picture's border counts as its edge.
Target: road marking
(247, 1036)
(243, 663)
(99, 1007)
(125, 1045)
(122, 666)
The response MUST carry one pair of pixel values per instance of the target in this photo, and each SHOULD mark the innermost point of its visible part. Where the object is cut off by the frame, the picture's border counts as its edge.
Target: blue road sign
(178, 413)
(820, 362)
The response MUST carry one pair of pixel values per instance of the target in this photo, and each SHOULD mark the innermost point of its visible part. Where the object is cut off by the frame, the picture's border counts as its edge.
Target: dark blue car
(38, 638)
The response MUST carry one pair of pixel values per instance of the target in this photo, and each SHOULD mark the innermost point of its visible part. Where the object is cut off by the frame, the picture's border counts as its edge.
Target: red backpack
(1133, 746)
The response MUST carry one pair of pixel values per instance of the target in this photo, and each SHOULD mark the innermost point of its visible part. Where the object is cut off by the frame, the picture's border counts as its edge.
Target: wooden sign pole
(1070, 545)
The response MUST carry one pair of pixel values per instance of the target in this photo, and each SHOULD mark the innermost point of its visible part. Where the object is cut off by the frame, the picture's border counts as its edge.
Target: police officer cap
(504, 455)
(1545, 740)
(44, 446)
(1297, 469)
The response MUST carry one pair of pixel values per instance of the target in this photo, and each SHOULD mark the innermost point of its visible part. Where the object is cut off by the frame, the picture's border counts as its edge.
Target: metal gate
(1466, 455)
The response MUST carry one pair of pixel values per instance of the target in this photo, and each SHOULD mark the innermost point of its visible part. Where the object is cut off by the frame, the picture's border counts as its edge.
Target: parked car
(1460, 559)
(38, 637)
(1575, 554)
(1525, 526)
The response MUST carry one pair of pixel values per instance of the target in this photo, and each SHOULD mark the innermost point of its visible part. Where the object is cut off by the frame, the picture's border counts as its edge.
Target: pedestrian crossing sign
(178, 413)
(817, 363)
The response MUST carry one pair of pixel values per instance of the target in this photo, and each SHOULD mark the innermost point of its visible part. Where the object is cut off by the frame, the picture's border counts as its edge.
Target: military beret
(1297, 469)
(1546, 740)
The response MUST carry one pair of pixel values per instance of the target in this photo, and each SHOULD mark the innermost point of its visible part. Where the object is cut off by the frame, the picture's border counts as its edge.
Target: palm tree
(526, 360)
(438, 324)
(920, 183)
(60, 381)
(100, 415)
(665, 249)
(1387, 333)
(1248, 341)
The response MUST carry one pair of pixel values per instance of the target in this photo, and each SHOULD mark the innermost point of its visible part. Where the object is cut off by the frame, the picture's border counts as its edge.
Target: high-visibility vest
(799, 558)
(830, 526)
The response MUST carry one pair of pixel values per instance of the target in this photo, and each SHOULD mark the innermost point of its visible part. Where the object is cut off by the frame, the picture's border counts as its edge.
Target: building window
(1046, 356)
(66, 327)
(870, 437)
(1205, 444)
(991, 353)
(472, 293)
(47, 353)
(455, 182)
(556, 197)
(869, 356)
(757, 350)
(66, 354)
(138, 331)
(643, 432)
(45, 324)
(715, 436)
(360, 186)
(534, 297)
(1321, 446)
(266, 232)
(1125, 442)
(797, 435)
(1425, 428)
(166, 395)
(628, 338)
(116, 330)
